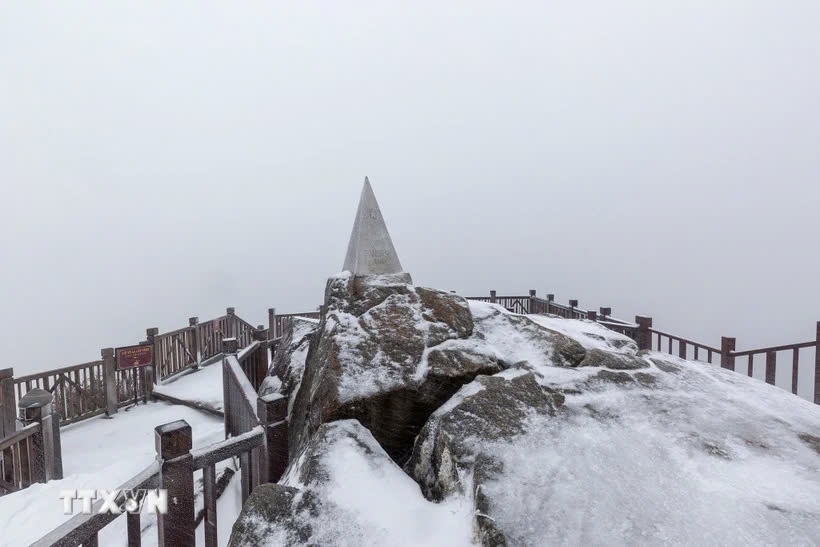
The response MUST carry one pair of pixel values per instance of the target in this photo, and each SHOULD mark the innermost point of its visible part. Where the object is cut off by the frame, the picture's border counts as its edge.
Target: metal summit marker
(370, 250)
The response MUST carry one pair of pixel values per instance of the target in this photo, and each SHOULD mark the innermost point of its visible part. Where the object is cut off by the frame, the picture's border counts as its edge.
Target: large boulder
(663, 452)
(451, 455)
(288, 363)
(387, 354)
(344, 490)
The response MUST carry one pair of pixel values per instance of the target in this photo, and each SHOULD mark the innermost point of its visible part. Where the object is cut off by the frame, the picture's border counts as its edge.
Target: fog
(166, 160)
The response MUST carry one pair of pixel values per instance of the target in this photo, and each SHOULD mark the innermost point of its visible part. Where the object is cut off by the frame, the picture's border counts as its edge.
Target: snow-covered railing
(278, 323)
(244, 411)
(18, 459)
(182, 349)
(253, 360)
(83, 529)
(173, 471)
(33, 453)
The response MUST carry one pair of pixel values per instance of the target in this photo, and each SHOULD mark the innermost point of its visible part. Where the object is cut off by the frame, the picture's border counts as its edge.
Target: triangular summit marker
(370, 250)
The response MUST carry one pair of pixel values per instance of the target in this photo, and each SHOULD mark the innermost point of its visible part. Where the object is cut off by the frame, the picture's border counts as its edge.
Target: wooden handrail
(787, 347)
(247, 351)
(80, 528)
(228, 448)
(685, 341)
(19, 435)
(72, 368)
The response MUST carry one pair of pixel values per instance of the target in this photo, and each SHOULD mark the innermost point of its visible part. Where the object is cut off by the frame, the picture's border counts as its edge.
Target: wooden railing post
(155, 370)
(592, 315)
(771, 367)
(727, 346)
(272, 411)
(110, 381)
(232, 330)
(230, 346)
(532, 302)
(572, 305)
(196, 351)
(605, 312)
(8, 404)
(272, 334)
(550, 300)
(46, 456)
(493, 298)
(817, 367)
(643, 334)
(176, 474)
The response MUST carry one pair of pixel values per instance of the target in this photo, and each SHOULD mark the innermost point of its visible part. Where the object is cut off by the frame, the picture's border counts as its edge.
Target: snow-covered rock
(526, 430)
(675, 452)
(344, 490)
(370, 359)
(288, 363)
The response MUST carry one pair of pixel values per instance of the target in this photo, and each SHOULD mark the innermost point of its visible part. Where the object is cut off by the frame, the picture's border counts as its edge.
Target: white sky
(162, 160)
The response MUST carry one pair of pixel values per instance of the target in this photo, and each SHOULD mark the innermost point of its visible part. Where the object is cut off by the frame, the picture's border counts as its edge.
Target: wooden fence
(649, 338)
(33, 453)
(278, 324)
(256, 433)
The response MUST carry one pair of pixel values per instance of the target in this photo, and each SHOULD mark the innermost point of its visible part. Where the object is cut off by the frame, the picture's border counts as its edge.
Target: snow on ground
(203, 386)
(369, 500)
(706, 457)
(99, 453)
(588, 333)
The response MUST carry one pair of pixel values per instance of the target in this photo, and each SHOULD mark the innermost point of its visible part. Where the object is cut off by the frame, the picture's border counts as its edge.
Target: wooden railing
(253, 360)
(31, 454)
(81, 392)
(649, 338)
(173, 471)
(279, 323)
(256, 433)
(18, 469)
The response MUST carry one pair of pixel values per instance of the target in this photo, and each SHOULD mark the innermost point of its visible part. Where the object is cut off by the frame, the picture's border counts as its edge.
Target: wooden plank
(787, 347)
(25, 463)
(54, 372)
(93, 541)
(133, 528)
(8, 466)
(209, 487)
(795, 367)
(19, 435)
(751, 366)
(80, 527)
(228, 448)
(771, 367)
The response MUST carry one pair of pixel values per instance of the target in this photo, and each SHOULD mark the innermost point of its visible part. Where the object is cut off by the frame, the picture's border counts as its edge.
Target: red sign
(134, 356)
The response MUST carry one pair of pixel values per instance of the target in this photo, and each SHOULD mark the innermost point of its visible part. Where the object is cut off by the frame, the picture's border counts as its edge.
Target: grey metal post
(110, 381)
(176, 474)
